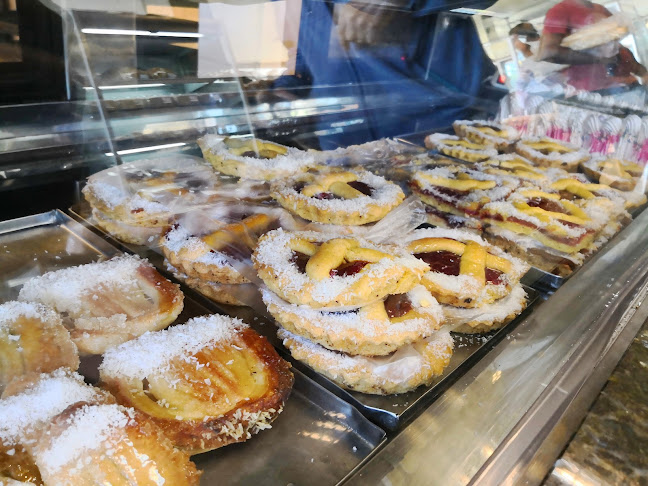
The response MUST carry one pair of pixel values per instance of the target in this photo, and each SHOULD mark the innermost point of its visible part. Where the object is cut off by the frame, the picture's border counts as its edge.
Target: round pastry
(314, 269)
(618, 174)
(488, 317)
(129, 233)
(513, 165)
(207, 383)
(405, 370)
(33, 339)
(464, 270)
(107, 303)
(229, 294)
(460, 190)
(459, 148)
(253, 158)
(486, 133)
(376, 329)
(148, 192)
(338, 197)
(548, 152)
(109, 444)
(202, 244)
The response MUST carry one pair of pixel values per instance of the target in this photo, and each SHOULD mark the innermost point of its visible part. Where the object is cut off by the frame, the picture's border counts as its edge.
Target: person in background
(533, 76)
(586, 71)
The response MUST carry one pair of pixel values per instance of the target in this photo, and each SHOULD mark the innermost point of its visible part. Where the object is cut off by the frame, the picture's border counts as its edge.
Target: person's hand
(370, 22)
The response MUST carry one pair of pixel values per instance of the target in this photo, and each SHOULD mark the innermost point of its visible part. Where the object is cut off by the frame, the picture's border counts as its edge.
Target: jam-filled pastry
(460, 191)
(201, 244)
(464, 270)
(138, 200)
(459, 148)
(33, 339)
(229, 294)
(486, 133)
(309, 268)
(489, 317)
(539, 227)
(404, 370)
(338, 197)
(515, 166)
(207, 383)
(91, 444)
(27, 407)
(250, 158)
(623, 175)
(376, 329)
(600, 197)
(549, 152)
(136, 234)
(107, 303)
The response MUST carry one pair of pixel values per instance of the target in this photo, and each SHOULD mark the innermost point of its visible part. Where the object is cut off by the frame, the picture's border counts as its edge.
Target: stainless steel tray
(389, 412)
(318, 439)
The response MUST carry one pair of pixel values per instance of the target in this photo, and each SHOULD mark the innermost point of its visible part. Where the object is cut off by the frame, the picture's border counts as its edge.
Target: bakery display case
(415, 267)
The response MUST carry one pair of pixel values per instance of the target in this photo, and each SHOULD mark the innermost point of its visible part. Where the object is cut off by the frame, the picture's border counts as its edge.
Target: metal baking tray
(318, 439)
(390, 411)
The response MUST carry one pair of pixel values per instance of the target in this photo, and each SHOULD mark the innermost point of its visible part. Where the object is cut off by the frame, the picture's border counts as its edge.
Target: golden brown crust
(548, 152)
(33, 343)
(168, 300)
(346, 207)
(222, 293)
(243, 416)
(135, 453)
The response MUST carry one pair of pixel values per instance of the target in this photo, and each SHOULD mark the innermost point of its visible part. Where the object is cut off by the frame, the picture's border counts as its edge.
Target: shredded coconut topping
(11, 311)
(90, 428)
(160, 348)
(33, 408)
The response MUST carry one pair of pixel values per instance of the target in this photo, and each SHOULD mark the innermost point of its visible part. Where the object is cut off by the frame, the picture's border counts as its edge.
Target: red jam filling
(325, 195)
(362, 187)
(397, 305)
(299, 260)
(546, 204)
(348, 269)
(448, 263)
(451, 220)
(444, 262)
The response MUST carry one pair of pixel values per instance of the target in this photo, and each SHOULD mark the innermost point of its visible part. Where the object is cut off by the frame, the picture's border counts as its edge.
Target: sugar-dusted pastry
(486, 133)
(314, 269)
(342, 197)
(549, 152)
(33, 339)
(251, 158)
(90, 444)
(539, 227)
(616, 173)
(207, 383)
(136, 234)
(107, 303)
(460, 191)
(459, 148)
(406, 369)
(515, 166)
(27, 407)
(488, 317)
(229, 294)
(598, 197)
(376, 329)
(200, 244)
(464, 270)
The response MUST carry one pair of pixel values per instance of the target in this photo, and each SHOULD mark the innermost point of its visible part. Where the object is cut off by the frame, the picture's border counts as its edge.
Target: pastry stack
(252, 158)
(210, 249)
(477, 284)
(353, 310)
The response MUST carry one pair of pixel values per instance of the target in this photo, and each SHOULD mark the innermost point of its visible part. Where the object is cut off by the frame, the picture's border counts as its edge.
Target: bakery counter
(508, 418)
(609, 446)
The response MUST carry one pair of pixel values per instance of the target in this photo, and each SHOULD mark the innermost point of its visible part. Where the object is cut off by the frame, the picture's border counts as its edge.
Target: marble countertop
(611, 445)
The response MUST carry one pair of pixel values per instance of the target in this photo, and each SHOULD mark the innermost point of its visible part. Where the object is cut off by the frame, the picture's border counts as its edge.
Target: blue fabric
(433, 77)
